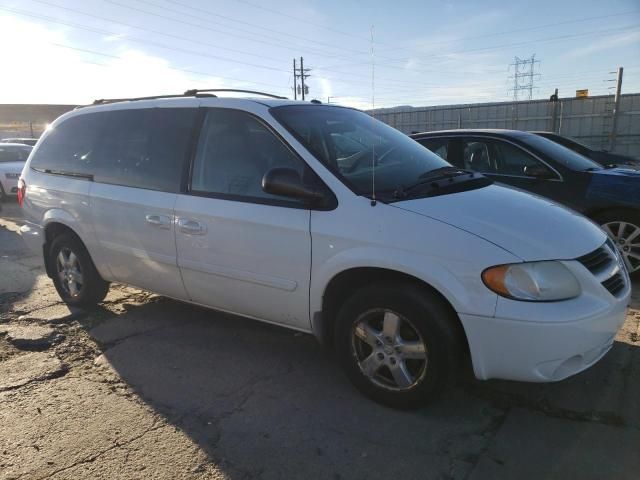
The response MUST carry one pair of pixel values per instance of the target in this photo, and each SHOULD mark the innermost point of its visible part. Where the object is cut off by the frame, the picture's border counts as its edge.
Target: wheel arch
(348, 281)
(53, 229)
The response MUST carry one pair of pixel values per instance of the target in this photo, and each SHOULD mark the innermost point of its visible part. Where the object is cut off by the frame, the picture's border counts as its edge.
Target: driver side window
(235, 150)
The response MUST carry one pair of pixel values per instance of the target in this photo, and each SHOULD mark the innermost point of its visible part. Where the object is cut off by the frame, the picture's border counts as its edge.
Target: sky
(360, 53)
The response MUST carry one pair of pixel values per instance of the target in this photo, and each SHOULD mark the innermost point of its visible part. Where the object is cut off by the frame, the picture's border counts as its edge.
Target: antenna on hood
(373, 116)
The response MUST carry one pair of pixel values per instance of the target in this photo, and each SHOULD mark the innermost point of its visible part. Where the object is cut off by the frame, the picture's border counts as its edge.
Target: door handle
(160, 221)
(192, 227)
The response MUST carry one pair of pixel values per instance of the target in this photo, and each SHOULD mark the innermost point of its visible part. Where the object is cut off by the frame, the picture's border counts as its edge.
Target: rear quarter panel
(59, 199)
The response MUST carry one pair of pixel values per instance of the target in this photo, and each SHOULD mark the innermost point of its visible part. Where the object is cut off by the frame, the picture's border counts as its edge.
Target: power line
(303, 20)
(160, 45)
(101, 31)
(144, 29)
(185, 70)
(218, 15)
(509, 45)
(136, 40)
(260, 41)
(177, 37)
(526, 29)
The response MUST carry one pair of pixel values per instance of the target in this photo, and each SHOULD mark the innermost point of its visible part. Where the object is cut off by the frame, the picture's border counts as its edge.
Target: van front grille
(615, 284)
(604, 264)
(597, 260)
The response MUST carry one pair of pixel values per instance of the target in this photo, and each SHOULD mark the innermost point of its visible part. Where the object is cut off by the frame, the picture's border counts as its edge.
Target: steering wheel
(364, 155)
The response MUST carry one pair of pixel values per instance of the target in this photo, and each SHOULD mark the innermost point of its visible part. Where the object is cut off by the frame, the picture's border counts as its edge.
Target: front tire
(74, 275)
(398, 344)
(623, 227)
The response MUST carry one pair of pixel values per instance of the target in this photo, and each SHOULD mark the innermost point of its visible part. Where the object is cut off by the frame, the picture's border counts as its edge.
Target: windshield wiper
(442, 171)
(432, 176)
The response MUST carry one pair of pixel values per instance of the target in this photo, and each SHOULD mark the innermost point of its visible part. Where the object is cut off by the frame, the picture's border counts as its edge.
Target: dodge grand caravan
(321, 219)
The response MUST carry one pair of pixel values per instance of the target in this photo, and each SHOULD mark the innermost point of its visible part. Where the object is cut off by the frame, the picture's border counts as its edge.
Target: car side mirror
(538, 171)
(287, 182)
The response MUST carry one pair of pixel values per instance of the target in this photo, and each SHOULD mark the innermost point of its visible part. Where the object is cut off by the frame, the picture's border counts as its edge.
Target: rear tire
(399, 344)
(623, 227)
(74, 275)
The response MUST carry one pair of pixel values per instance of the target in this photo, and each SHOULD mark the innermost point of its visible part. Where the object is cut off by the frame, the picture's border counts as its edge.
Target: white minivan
(322, 219)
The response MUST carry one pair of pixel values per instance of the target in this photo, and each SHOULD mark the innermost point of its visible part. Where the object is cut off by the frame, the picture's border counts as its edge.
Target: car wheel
(74, 274)
(399, 344)
(624, 229)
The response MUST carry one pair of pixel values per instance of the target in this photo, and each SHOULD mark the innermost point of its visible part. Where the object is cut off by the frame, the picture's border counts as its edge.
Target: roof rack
(189, 93)
(196, 92)
(102, 101)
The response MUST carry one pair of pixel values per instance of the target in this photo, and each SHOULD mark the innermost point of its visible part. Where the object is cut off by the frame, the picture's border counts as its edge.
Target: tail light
(22, 191)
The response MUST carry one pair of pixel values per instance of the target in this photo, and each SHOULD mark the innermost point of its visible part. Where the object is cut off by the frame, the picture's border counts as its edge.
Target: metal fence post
(616, 108)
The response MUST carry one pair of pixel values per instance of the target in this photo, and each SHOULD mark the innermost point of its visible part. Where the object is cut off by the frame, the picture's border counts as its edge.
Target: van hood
(528, 226)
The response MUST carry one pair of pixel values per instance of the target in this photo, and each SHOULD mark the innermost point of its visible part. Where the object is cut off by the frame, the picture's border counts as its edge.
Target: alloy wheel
(626, 236)
(69, 272)
(389, 350)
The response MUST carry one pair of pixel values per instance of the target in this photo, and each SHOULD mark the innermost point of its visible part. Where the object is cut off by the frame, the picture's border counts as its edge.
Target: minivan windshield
(357, 148)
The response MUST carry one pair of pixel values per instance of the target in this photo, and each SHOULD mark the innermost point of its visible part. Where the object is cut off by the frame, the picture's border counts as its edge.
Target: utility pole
(295, 80)
(616, 108)
(302, 74)
(554, 111)
(524, 68)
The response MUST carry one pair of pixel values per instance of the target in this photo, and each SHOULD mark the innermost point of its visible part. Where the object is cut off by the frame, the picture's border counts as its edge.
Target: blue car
(608, 195)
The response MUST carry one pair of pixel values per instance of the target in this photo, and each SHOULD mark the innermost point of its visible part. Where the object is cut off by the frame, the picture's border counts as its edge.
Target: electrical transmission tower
(300, 73)
(523, 76)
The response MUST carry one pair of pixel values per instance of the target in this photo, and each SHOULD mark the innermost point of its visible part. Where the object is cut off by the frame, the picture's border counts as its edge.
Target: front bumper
(546, 342)
(537, 352)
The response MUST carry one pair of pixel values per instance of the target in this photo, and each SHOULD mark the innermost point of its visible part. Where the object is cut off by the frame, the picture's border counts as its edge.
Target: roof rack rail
(102, 101)
(196, 92)
(189, 93)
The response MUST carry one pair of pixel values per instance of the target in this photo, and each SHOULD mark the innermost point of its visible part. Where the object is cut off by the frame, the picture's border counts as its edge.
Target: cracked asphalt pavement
(147, 387)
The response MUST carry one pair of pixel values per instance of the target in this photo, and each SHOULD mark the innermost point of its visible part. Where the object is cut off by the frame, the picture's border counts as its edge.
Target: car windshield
(560, 154)
(353, 144)
(14, 153)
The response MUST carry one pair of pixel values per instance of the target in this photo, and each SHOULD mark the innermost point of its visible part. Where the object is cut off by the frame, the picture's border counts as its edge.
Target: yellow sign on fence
(582, 93)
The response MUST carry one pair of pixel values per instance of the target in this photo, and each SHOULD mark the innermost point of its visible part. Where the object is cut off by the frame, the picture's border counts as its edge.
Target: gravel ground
(147, 387)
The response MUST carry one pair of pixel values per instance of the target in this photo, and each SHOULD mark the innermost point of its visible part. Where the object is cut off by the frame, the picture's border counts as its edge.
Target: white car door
(140, 161)
(240, 249)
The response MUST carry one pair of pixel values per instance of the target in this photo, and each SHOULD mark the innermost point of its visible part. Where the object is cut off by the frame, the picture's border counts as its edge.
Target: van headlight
(534, 281)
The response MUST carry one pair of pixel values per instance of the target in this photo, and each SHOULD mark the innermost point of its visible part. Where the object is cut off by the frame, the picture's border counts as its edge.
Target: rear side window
(14, 154)
(70, 146)
(145, 148)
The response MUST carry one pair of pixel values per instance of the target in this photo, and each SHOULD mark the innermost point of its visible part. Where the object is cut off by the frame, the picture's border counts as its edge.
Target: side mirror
(286, 182)
(539, 171)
